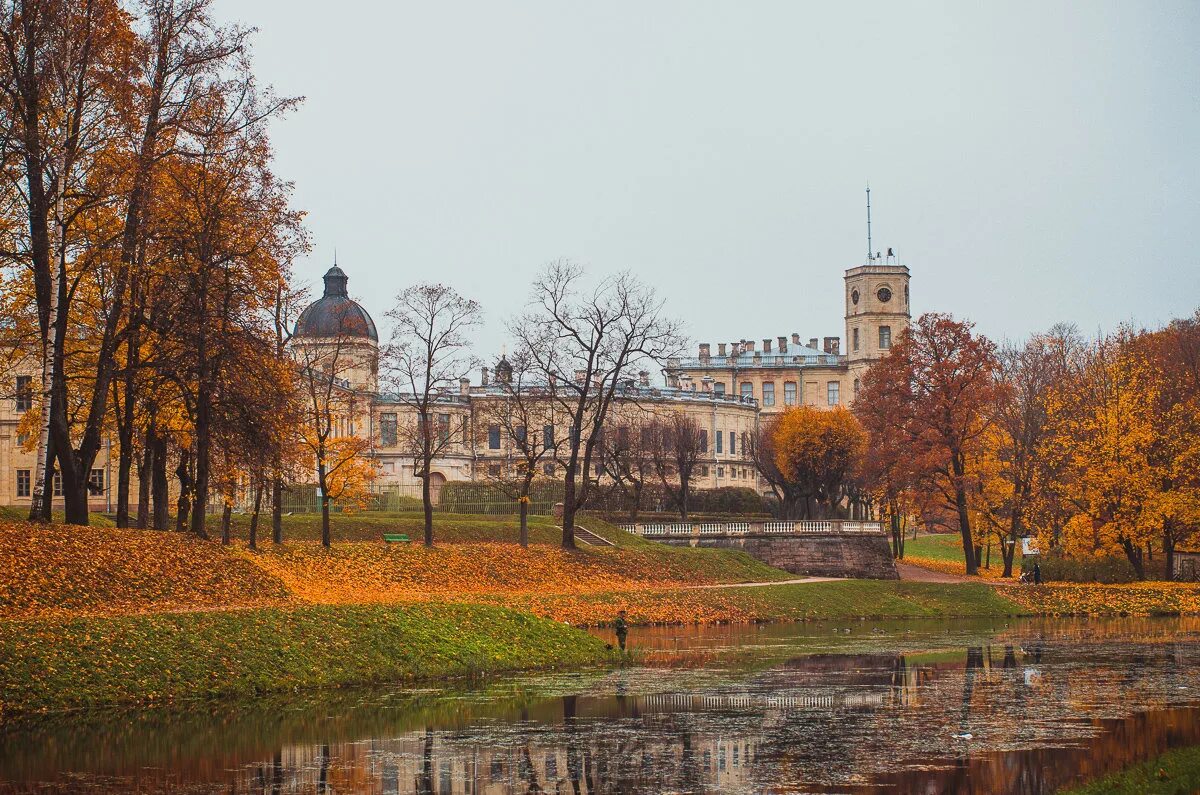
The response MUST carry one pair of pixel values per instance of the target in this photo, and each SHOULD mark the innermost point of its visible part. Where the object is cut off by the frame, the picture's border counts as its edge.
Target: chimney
(767, 345)
(748, 346)
(580, 376)
(837, 346)
(705, 351)
(483, 371)
(796, 339)
(812, 343)
(464, 386)
(782, 344)
(832, 344)
(735, 349)
(720, 349)
(644, 378)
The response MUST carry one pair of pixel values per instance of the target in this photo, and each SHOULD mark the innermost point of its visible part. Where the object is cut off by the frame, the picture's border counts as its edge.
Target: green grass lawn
(1174, 773)
(89, 662)
(948, 546)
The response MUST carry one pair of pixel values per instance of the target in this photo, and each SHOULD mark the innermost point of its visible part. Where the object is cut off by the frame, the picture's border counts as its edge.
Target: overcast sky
(1031, 163)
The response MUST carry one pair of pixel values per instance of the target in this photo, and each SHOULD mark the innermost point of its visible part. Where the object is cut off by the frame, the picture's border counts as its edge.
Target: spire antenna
(870, 256)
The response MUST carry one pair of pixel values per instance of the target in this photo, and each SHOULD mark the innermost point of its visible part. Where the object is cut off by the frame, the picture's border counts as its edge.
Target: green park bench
(396, 538)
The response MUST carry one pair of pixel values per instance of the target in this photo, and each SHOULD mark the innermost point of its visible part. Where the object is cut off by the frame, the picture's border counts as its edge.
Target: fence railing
(791, 528)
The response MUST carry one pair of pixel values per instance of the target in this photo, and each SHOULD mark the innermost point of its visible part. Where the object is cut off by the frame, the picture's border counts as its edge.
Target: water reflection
(908, 707)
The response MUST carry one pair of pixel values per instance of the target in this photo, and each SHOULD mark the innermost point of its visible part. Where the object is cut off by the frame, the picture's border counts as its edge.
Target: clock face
(884, 295)
(854, 296)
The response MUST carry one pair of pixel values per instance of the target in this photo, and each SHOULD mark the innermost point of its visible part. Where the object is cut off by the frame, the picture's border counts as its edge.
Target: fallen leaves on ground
(1134, 599)
(957, 567)
(366, 572)
(65, 570)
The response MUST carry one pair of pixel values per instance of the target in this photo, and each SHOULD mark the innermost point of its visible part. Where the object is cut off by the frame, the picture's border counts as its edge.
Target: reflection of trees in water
(822, 720)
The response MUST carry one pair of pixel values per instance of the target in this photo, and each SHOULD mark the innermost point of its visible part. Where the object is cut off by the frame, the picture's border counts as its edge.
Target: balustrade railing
(777, 528)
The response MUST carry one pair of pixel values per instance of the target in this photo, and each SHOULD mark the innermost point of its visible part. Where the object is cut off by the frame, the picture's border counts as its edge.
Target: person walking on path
(621, 625)
(1037, 574)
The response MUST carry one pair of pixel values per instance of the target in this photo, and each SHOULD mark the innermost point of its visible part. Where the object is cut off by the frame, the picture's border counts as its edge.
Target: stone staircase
(585, 536)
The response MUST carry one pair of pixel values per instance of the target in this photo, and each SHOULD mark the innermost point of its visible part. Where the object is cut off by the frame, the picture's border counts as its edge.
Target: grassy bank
(840, 600)
(88, 662)
(1174, 773)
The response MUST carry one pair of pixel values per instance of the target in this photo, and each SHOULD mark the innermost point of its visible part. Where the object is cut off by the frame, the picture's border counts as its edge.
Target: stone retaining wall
(860, 556)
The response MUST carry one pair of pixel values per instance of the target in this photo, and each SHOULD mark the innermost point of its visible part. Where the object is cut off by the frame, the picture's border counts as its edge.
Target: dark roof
(335, 314)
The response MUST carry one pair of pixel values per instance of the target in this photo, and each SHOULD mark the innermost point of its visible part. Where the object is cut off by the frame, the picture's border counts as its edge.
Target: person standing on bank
(621, 626)
(1037, 574)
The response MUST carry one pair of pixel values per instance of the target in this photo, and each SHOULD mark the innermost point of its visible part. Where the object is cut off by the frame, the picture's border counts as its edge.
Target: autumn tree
(426, 359)
(762, 452)
(930, 396)
(820, 451)
(585, 341)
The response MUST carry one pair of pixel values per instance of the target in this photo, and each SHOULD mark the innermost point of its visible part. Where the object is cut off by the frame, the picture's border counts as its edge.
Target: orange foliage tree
(820, 451)
(927, 401)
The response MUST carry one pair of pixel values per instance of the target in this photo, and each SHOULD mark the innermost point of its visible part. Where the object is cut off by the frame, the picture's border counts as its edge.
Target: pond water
(929, 707)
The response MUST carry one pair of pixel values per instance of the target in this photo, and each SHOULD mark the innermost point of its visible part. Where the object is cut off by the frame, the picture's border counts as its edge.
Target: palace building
(787, 371)
(728, 393)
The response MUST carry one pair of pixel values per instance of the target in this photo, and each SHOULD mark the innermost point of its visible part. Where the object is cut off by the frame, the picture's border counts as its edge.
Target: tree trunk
(203, 445)
(524, 523)
(145, 466)
(1134, 553)
(568, 517)
(277, 510)
(427, 504)
(258, 495)
(160, 490)
(125, 420)
(226, 518)
(326, 538)
(183, 472)
(1169, 553)
(964, 519)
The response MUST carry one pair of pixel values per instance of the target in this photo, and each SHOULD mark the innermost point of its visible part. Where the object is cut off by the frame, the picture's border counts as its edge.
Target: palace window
(57, 483)
(885, 337)
(747, 390)
(789, 393)
(732, 443)
(493, 470)
(857, 384)
(519, 433)
(720, 435)
(466, 431)
(719, 388)
(24, 483)
(768, 388)
(703, 470)
(703, 440)
(24, 394)
(443, 428)
(855, 336)
(831, 393)
(387, 430)
(548, 470)
(493, 437)
(720, 472)
(95, 481)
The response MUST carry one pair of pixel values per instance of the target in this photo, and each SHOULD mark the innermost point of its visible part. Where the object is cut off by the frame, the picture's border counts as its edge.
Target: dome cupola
(335, 314)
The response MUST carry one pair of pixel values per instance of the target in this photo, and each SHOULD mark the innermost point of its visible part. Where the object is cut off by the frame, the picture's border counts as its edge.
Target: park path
(796, 581)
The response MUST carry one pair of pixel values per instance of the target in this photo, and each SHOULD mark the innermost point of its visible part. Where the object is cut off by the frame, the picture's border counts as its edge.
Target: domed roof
(335, 314)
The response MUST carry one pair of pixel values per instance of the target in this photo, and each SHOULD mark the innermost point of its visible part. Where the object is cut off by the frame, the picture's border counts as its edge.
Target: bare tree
(523, 415)
(426, 359)
(629, 454)
(679, 447)
(585, 340)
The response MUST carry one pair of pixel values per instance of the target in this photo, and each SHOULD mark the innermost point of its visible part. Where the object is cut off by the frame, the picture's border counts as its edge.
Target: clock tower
(877, 311)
